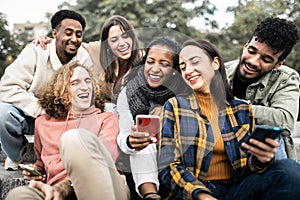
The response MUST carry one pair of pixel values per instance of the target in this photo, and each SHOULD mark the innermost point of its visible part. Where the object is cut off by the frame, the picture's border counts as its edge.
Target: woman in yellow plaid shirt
(200, 155)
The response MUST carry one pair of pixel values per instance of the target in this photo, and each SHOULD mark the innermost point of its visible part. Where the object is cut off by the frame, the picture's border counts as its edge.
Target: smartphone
(148, 123)
(32, 171)
(261, 132)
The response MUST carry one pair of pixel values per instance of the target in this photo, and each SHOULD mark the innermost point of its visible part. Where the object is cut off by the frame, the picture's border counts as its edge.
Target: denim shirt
(274, 97)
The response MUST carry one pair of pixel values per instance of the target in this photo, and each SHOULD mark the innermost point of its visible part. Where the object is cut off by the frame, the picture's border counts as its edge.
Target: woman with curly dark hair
(75, 141)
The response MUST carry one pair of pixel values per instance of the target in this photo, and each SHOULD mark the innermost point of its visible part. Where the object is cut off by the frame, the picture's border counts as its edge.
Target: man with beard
(260, 77)
(18, 102)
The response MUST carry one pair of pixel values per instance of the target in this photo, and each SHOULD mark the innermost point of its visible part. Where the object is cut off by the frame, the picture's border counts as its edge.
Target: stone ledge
(9, 180)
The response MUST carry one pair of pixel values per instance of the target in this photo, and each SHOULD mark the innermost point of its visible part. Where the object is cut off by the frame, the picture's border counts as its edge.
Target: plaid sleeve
(176, 180)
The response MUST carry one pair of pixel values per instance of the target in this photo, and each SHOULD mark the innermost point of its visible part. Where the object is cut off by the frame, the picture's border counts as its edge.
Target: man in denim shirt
(260, 77)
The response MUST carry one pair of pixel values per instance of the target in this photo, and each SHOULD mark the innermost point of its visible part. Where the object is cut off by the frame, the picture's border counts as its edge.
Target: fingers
(272, 143)
(156, 110)
(139, 141)
(28, 176)
(133, 128)
(36, 178)
(138, 135)
(265, 152)
(38, 185)
(42, 41)
(50, 192)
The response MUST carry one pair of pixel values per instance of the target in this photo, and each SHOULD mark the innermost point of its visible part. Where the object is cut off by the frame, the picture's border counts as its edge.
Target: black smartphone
(261, 132)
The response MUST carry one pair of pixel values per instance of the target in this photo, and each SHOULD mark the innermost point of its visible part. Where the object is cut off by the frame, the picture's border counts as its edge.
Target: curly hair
(63, 14)
(279, 34)
(54, 95)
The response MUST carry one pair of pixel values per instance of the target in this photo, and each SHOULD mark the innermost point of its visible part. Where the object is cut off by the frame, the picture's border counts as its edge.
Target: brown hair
(215, 87)
(107, 58)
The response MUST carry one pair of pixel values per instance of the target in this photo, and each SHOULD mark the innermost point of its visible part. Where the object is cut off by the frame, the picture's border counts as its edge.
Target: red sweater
(49, 131)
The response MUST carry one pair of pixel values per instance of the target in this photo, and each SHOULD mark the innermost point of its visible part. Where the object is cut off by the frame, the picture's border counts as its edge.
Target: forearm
(64, 187)
(182, 182)
(274, 116)
(125, 122)
(280, 105)
(256, 166)
(122, 143)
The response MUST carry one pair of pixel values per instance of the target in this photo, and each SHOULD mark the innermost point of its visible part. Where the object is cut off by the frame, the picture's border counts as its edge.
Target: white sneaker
(10, 165)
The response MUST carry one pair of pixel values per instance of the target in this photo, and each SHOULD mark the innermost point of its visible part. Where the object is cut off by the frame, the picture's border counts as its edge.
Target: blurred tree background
(175, 15)
(10, 44)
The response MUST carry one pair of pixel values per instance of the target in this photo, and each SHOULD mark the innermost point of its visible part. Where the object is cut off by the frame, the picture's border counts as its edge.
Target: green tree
(247, 14)
(9, 48)
(171, 14)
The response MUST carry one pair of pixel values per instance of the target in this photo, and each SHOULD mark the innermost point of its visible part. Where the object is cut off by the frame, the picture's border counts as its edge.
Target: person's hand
(51, 192)
(205, 196)
(28, 176)
(139, 140)
(156, 110)
(264, 152)
(42, 41)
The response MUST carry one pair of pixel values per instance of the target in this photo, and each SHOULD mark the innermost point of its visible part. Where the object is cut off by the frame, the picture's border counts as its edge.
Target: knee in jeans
(290, 169)
(5, 110)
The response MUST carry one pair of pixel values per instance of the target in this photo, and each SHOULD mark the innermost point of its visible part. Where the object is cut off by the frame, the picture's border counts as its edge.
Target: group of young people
(207, 111)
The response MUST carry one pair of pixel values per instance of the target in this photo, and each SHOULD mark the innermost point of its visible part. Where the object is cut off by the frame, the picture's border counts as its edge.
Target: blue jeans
(13, 124)
(280, 153)
(280, 181)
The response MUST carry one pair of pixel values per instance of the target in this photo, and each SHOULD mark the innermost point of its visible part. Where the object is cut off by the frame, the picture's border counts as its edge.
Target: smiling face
(197, 69)
(120, 42)
(257, 59)
(68, 37)
(81, 89)
(158, 65)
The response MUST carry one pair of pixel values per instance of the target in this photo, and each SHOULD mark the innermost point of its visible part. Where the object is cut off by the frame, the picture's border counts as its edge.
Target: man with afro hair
(260, 77)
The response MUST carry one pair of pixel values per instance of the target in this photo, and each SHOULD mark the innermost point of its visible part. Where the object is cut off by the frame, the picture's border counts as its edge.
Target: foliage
(176, 16)
(172, 14)
(247, 14)
(9, 44)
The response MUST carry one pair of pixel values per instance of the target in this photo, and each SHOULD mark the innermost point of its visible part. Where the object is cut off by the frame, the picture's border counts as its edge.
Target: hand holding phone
(261, 132)
(32, 171)
(149, 124)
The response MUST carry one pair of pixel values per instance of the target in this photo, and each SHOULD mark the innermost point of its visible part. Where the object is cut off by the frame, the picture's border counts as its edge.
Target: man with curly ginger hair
(75, 141)
(18, 102)
(260, 77)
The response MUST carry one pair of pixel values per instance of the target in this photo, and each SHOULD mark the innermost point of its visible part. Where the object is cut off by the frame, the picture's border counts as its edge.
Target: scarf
(141, 97)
